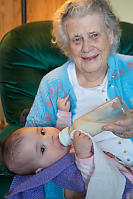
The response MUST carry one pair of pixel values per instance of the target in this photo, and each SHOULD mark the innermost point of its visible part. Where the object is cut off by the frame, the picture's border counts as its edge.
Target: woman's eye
(76, 39)
(42, 149)
(42, 132)
(94, 35)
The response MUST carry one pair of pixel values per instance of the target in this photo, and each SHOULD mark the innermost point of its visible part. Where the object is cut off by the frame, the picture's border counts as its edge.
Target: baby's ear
(38, 170)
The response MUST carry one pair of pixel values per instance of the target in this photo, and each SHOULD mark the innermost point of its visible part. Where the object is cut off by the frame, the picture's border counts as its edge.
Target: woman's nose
(87, 44)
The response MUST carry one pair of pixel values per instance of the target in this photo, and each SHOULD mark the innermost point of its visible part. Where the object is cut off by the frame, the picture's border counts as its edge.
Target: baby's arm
(63, 115)
(84, 155)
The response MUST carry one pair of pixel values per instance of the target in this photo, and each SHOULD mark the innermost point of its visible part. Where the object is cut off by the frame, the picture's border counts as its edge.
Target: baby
(31, 149)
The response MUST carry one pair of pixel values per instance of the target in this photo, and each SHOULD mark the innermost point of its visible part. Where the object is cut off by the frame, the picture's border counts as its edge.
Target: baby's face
(41, 146)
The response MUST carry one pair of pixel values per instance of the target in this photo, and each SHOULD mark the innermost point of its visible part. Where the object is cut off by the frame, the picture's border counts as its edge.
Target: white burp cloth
(106, 181)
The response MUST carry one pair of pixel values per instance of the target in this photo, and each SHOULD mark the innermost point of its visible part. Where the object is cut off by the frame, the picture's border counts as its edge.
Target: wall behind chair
(36, 10)
(124, 9)
(10, 15)
(10, 11)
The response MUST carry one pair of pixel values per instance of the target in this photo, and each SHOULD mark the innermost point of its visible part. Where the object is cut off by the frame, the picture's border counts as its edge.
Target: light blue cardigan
(56, 84)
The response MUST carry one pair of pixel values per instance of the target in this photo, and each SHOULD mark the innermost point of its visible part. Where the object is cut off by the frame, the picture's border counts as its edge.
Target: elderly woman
(88, 32)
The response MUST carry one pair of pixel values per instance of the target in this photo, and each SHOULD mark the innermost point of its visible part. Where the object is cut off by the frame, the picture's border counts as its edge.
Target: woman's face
(89, 43)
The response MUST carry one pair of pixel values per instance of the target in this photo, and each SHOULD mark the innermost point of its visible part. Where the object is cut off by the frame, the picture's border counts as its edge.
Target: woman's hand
(122, 128)
(82, 145)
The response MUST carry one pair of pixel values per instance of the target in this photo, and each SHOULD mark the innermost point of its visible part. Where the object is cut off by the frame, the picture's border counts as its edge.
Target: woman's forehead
(87, 23)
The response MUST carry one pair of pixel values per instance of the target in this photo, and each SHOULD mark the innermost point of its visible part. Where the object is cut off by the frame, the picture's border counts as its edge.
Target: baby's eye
(42, 132)
(42, 149)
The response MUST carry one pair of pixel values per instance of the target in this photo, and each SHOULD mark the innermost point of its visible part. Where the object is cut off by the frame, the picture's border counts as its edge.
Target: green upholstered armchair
(26, 55)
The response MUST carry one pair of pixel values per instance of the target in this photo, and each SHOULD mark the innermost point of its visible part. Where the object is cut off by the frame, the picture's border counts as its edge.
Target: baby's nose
(49, 139)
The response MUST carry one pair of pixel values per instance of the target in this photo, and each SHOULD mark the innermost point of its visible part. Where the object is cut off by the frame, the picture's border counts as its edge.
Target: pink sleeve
(63, 119)
(86, 167)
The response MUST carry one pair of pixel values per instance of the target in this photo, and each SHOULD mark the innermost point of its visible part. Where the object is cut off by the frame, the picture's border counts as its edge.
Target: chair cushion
(126, 42)
(26, 55)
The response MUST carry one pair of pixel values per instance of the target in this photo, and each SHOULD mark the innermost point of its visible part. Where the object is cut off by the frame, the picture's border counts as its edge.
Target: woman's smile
(90, 58)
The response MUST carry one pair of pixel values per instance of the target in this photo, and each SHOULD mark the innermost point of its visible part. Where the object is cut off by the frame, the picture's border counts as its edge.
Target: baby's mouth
(60, 142)
(57, 139)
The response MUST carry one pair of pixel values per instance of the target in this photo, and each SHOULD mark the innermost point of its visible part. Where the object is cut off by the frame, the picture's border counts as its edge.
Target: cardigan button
(124, 151)
(111, 86)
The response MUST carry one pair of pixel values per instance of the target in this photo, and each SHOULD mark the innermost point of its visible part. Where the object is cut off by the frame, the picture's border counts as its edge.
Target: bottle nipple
(64, 136)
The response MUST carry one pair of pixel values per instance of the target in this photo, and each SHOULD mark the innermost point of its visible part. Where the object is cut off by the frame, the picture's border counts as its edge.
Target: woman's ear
(38, 170)
(111, 36)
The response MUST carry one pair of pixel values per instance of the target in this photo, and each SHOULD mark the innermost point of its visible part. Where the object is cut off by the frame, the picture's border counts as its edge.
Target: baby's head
(31, 149)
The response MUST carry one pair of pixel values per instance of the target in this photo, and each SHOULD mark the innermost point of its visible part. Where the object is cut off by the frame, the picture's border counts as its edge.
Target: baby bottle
(93, 121)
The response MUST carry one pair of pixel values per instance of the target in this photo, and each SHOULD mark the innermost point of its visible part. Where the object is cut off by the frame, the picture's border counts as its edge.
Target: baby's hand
(63, 104)
(82, 145)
